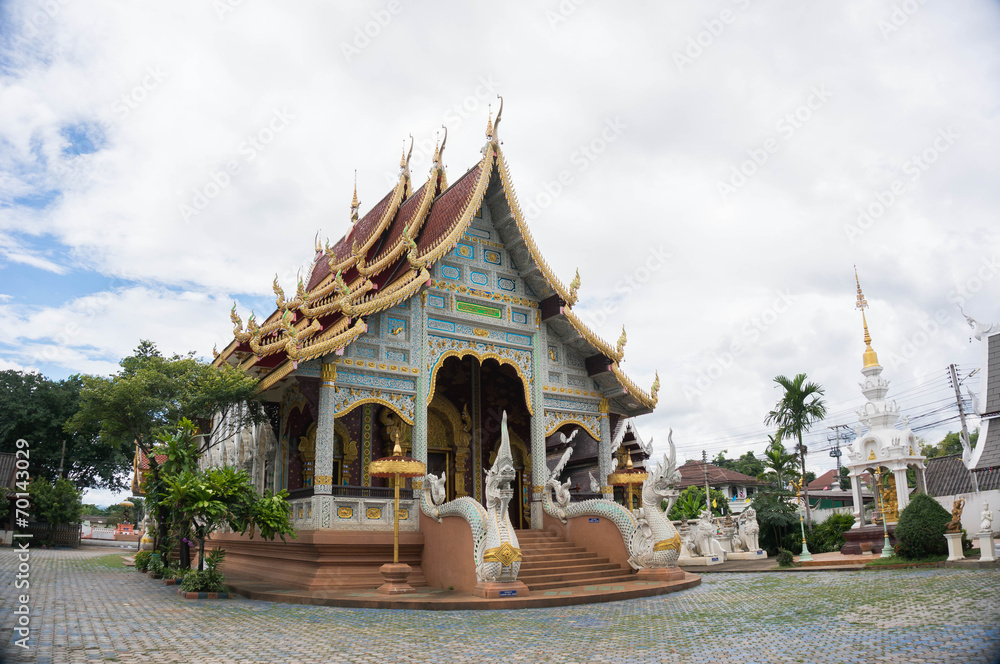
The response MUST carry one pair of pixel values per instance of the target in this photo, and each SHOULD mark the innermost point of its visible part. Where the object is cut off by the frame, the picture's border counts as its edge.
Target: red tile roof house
(739, 488)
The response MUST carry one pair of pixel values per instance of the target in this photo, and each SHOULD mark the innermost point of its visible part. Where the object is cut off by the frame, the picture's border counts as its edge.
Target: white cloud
(181, 92)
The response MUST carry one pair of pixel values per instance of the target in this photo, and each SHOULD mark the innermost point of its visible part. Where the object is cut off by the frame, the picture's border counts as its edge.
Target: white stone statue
(595, 486)
(704, 536)
(749, 530)
(986, 523)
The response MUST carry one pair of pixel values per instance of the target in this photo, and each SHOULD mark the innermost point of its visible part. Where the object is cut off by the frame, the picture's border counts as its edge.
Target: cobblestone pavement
(85, 609)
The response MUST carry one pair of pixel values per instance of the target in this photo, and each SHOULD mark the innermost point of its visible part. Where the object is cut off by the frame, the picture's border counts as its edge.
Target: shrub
(205, 581)
(155, 567)
(921, 528)
(214, 558)
(829, 535)
(142, 560)
(785, 558)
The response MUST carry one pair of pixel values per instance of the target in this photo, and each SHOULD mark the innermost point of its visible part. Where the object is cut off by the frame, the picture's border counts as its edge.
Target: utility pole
(835, 452)
(61, 458)
(966, 444)
(704, 468)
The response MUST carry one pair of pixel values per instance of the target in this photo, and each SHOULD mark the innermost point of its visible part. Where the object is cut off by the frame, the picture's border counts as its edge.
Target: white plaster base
(987, 551)
(954, 546)
(759, 554)
(702, 561)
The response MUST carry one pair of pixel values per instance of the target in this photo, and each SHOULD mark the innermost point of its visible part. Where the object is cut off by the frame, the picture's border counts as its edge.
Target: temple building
(434, 315)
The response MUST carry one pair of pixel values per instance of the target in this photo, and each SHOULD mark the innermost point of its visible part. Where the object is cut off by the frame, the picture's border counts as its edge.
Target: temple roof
(385, 258)
(693, 474)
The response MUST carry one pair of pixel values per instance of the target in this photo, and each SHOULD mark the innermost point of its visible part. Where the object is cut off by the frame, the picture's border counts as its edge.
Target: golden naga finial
(339, 285)
(238, 332)
(655, 389)
(279, 299)
(359, 259)
(574, 286)
(404, 161)
(215, 351)
(439, 149)
(412, 252)
(355, 205)
(620, 346)
(870, 357)
(496, 123)
(319, 245)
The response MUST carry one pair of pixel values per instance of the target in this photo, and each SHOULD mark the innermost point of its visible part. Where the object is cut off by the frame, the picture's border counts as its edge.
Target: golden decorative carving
(480, 332)
(672, 543)
(404, 514)
(307, 452)
(871, 455)
(603, 407)
(374, 513)
(345, 512)
(504, 554)
(322, 480)
(328, 373)
(955, 525)
(606, 349)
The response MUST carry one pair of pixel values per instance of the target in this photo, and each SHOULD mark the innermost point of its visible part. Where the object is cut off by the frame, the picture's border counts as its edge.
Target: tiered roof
(385, 258)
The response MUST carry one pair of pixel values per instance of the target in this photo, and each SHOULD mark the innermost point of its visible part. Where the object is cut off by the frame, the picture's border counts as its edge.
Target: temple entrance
(463, 428)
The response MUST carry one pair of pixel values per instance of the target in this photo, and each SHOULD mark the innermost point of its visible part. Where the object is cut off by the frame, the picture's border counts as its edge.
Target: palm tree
(795, 412)
(779, 461)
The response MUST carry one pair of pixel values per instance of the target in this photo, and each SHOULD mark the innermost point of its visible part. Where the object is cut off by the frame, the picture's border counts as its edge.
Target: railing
(345, 491)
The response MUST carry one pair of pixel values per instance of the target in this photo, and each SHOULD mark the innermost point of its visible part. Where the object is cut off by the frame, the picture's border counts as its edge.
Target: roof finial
(439, 149)
(489, 123)
(496, 123)
(620, 346)
(319, 245)
(870, 357)
(354, 203)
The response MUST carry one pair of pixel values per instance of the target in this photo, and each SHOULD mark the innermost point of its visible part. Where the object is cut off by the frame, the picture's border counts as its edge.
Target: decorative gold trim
(328, 373)
(354, 404)
(504, 554)
(672, 543)
(460, 353)
(345, 512)
(529, 241)
(402, 466)
(561, 423)
(374, 513)
(281, 371)
(633, 389)
(603, 407)
(597, 342)
(322, 480)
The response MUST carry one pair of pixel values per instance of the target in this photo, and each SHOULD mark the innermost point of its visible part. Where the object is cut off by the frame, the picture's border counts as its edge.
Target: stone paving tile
(85, 611)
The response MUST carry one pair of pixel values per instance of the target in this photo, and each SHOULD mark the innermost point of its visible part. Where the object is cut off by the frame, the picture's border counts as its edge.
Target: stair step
(579, 569)
(604, 580)
(549, 561)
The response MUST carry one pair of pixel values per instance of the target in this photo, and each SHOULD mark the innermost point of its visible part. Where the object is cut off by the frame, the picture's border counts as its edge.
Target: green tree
(800, 407)
(829, 535)
(950, 444)
(151, 394)
(777, 515)
(55, 502)
(36, 409)
(779, 462)
(748, 464)
(845, 479)
(921, 528)
(204, 500)
(691, 502)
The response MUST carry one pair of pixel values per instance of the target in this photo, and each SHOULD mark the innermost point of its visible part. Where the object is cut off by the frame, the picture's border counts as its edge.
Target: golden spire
(628, 458)
(396, 449)
(870, 357)
(354, 203)
(489, 123)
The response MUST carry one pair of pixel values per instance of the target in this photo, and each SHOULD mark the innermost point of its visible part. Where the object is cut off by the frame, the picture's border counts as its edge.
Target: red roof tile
(447, 209)
(360, 231)
(828, 480)
(693, 474)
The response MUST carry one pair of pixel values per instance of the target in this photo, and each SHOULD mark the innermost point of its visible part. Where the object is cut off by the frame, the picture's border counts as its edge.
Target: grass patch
(110, 561)
(897, 560)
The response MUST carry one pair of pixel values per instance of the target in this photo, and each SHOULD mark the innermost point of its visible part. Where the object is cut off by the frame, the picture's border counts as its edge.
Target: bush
(142, 560)
(921, 528)
(155, 567)
(205, 581)
(785, 558)
(829, 535)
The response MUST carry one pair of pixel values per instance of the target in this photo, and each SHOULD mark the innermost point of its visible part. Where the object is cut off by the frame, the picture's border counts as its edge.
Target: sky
(715, 170)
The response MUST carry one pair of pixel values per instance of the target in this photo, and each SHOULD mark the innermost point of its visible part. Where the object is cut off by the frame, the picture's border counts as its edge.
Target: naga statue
(650, 538)
(497, 553)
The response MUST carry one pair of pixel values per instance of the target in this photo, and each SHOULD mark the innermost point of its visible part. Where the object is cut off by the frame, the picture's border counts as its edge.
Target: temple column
(419, 450)
(921, 479)
(859, 501)
(902, 490)
(323, 468)
(539, 469)
(604, 452)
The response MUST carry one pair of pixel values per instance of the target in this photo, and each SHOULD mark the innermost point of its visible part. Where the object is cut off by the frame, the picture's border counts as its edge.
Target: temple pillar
(902, 490)
(539, 469)
(921, 478)
(323, 472)
(604, 452)
(419, 450)
(859, 501)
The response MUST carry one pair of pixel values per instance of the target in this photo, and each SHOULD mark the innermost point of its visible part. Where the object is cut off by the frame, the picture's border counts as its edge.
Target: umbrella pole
(395, 528)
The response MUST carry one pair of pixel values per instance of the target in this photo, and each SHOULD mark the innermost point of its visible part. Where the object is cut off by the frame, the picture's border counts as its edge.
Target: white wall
(972, 513)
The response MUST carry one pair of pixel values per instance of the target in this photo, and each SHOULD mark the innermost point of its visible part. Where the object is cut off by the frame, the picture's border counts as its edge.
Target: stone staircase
(549, 561)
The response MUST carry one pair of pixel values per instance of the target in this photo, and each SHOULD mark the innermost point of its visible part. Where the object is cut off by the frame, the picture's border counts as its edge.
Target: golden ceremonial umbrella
(399, 467)
(628, 476)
